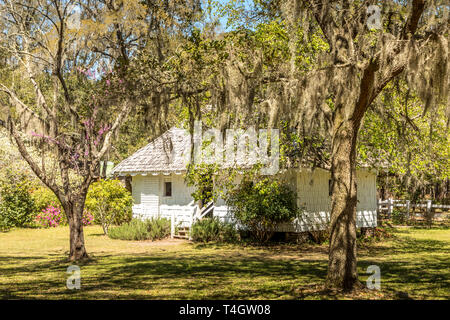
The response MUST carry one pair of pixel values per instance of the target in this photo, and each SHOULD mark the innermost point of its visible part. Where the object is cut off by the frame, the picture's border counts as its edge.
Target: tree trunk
(74, 214)
(342, 272)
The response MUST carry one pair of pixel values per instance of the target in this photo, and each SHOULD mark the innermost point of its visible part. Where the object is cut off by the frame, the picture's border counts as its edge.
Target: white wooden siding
(313, 197)
(181, 193)
(150, 196)
(311, 188)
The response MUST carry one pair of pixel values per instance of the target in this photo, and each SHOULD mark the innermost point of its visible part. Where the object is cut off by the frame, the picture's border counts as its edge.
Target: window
(167, 189)
(330, 187)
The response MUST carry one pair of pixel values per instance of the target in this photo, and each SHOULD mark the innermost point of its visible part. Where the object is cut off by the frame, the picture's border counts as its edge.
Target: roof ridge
(154, 157)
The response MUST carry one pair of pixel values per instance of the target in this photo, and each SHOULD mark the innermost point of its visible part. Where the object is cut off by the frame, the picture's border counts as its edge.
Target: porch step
(180, 237)
(182, 233)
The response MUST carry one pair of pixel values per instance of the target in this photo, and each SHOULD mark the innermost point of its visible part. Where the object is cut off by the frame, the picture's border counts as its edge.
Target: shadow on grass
(219, 274)
(409, 245)
(420, 265)
(425, 280)
(210, 277)
(272, 248)
(97, 235)
(175, 276)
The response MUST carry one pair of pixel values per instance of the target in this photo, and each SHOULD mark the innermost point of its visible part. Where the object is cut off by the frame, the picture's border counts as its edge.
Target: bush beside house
(261, 205)
(136, 229)
(212, 229)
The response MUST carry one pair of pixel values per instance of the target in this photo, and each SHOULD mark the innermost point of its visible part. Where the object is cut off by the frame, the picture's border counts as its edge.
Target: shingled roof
(167, 153)
(170, 153)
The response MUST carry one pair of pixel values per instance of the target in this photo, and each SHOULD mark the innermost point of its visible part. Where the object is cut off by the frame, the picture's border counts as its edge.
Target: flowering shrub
(87, 219)
(50, 217)
(53, 216)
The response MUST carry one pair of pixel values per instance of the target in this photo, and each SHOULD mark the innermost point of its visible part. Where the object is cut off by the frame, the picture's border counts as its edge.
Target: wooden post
(390, 207)
(378, 213)
(172, 224)
(191, 222)
(429, 206)
(407, 209)
(429, 217)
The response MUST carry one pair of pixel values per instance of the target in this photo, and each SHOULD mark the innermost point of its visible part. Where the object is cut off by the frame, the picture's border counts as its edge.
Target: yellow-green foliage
(110, 203)
(17, 208)
(414, 145)
(44, 197)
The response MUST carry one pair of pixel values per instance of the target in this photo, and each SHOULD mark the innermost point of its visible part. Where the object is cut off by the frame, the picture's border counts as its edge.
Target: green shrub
(136, 229)
(17, 207)
(44, 197)
(212, 229)
(110, 203)
(261, 205)
(158, 228)
(3, 223)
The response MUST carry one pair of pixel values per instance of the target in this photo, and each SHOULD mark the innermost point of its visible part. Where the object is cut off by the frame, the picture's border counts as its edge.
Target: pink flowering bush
(87, 219)
(53, 216)
(50, 217)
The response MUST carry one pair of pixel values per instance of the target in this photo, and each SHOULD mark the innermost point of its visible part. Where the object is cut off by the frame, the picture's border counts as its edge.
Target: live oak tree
(361, 63)
(65, 81)
(366, 48)
(409, 148)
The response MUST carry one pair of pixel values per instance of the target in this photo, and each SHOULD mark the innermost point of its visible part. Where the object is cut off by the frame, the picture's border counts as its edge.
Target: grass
(33, 262)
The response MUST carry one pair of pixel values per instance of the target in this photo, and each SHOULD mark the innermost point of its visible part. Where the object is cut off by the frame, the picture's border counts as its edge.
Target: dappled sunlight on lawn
(33, 264)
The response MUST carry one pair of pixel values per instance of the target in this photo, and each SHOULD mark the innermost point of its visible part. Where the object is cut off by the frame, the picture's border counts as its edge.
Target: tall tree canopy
(410, 148)
(74, 71)
(340, 57)
(65, 83)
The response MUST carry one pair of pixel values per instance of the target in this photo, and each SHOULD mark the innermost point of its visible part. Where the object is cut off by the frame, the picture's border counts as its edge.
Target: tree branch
(19, 102)
(36, 169)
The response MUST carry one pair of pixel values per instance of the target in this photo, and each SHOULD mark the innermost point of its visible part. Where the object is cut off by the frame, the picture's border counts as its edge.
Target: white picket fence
(388, 206)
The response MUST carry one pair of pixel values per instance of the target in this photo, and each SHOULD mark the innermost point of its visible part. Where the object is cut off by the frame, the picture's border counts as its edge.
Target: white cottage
(159, 189)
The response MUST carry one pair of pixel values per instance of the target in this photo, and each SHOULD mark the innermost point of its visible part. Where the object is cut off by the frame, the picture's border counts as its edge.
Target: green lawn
(415, 264)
